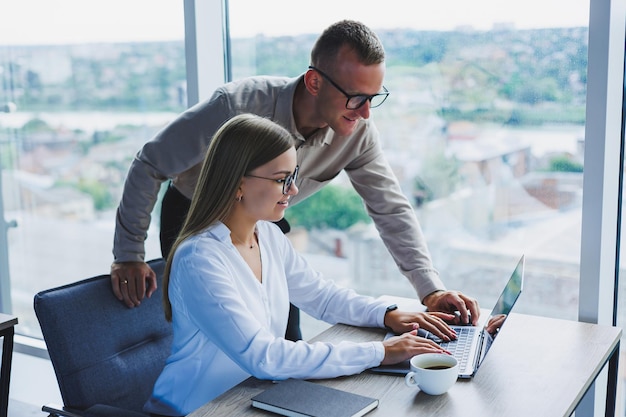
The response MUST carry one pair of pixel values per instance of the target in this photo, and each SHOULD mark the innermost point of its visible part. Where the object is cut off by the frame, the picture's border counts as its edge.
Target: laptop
(473, 342)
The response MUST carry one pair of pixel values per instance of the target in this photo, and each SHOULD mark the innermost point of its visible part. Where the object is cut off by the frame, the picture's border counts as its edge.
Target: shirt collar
(219, 231)
(284, 106)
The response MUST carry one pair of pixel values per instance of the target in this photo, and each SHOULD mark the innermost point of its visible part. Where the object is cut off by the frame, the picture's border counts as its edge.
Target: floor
(33, 384)
(20, 409)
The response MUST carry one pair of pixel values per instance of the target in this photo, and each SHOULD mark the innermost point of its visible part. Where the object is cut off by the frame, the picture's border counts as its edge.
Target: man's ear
(312, 82)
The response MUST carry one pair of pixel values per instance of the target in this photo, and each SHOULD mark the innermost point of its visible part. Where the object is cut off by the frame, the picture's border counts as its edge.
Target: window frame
(602, 181)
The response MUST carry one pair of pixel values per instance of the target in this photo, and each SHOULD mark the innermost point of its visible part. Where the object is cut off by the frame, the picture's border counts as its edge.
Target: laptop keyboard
(460, 348)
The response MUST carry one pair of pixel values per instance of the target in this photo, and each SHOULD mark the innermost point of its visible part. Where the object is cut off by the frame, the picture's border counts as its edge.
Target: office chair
(106, 356)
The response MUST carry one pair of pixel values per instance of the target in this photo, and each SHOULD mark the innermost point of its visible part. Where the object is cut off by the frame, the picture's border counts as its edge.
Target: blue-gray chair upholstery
(106, 356)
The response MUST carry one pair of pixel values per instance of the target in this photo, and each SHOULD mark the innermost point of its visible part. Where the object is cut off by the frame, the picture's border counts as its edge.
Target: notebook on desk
(299, 398)
(473, 342)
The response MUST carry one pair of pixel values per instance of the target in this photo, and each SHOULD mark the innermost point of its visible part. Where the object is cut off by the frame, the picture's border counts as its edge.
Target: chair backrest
(102, 351)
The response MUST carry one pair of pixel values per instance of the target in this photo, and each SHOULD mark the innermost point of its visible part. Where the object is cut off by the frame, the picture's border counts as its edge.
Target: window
(83, 86)
(484, 128)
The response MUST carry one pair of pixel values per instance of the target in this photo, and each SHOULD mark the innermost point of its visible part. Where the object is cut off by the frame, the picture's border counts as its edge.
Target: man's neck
(304, 112)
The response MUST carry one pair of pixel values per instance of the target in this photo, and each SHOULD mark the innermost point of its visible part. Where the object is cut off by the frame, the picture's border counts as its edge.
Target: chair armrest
(56, 410)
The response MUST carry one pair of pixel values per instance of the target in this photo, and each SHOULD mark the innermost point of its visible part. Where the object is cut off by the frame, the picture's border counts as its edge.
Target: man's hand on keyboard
(454, 301)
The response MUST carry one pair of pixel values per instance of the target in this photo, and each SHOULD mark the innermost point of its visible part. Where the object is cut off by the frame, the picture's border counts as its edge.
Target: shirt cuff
(381, 310)
(425, 281)
(379, 353)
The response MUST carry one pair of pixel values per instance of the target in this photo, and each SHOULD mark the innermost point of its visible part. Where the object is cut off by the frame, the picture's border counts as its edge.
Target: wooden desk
(7, 331)
(522, 376)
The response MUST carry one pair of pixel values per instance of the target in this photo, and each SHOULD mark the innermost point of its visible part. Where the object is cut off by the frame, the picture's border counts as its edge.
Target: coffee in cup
(432, 373)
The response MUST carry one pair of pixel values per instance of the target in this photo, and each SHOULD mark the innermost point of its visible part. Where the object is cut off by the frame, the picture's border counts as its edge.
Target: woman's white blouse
(228, 326)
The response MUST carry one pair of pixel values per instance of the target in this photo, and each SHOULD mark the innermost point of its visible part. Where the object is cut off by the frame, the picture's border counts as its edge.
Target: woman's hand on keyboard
(402, 321)
(407, 345)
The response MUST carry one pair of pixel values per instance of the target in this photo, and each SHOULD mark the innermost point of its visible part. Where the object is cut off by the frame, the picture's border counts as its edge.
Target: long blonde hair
(242, 144)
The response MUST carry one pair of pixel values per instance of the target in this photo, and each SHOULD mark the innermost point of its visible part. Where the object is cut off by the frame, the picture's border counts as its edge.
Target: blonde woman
(232, 273)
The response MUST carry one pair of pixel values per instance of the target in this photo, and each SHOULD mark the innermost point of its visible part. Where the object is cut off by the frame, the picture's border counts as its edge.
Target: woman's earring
(239, 198)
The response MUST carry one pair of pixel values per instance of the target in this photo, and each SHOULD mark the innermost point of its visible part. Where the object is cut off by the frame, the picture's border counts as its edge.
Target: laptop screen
(503, 307)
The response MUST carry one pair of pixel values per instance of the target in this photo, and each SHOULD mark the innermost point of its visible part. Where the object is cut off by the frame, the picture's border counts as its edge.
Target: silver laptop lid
(501, 310)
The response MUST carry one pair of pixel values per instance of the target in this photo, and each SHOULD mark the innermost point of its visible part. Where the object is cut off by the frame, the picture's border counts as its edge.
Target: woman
(232, 273)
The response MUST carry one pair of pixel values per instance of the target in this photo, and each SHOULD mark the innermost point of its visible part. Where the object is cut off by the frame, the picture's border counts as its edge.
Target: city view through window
(484, 127)
(485, 130)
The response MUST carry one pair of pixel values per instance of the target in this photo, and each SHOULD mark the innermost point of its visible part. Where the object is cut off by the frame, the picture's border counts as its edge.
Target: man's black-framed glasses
(286, 182)
(356, 101)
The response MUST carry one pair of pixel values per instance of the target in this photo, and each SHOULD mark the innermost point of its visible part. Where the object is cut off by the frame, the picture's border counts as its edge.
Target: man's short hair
(353, 34)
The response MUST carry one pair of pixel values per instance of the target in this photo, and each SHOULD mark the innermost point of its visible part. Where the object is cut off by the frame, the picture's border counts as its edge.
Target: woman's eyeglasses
(286, 182)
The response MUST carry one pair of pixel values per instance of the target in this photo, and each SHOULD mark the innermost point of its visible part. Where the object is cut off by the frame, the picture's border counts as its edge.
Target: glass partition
(83, 85)
(484, 128)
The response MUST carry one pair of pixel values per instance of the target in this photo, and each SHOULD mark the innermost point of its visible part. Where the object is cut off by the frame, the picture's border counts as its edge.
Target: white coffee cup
(433, 373)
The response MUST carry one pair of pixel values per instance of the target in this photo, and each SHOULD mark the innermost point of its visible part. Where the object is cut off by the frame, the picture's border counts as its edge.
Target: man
(327, 109)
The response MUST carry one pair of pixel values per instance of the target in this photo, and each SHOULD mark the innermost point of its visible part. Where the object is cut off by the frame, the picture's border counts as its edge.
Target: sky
(84, 21)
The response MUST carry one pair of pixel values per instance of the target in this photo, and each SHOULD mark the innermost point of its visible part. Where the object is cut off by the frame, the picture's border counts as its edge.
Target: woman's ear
(239, 192)
(312, 82)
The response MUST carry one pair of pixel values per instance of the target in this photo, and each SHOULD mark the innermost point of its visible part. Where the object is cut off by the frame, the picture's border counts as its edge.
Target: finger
(439, 349)
(463, 311)
(439, 328)
(140, 287)
(435, 325)
(475, 312)
(431, 346)
(115, 285)
(131, 287)
(123, 286)
(446, 317)
(471, 308)
(152, 283)
(421, 350)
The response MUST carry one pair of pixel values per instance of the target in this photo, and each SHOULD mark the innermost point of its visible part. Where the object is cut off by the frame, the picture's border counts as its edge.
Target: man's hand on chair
(131, 281)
